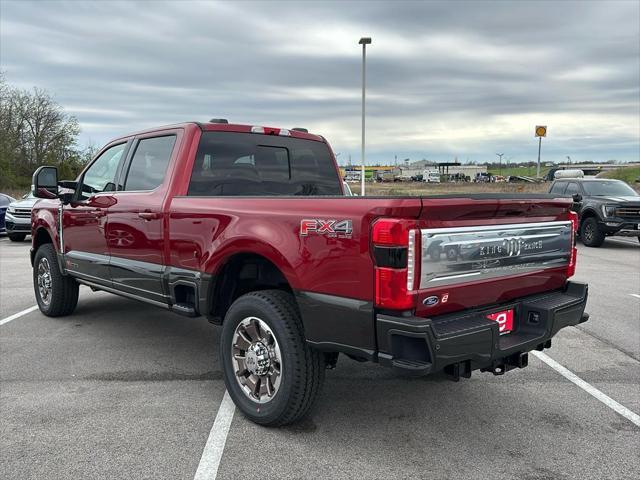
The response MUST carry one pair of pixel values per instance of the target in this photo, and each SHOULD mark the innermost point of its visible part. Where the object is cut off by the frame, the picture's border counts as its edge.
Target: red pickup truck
(249, 227)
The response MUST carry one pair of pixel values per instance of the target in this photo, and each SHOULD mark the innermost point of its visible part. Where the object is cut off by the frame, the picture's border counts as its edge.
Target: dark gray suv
(605, 207)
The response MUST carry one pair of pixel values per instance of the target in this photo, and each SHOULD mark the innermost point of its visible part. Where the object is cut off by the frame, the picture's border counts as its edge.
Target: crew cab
(605, 207)
(249, 227)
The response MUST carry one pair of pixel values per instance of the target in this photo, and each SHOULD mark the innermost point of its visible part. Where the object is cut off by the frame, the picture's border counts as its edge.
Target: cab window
(246, 164)
(101, 175)
(572, 189)
(558, 188)
(149, 163)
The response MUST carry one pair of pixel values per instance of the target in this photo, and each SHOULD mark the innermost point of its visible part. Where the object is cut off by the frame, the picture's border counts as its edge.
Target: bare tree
(34, 130)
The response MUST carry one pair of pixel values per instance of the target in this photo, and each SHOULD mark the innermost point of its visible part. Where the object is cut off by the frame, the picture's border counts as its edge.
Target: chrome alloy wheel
(256, 360)
(588, 232)
(44, 281)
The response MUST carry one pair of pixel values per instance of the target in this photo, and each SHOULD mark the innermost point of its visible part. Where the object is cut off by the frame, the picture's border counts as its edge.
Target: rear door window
(558, 188)
(149, 163)
(245, 164)
(572, 189)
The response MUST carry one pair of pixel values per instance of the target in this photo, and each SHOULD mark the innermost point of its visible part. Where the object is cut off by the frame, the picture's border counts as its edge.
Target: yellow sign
(541, 131)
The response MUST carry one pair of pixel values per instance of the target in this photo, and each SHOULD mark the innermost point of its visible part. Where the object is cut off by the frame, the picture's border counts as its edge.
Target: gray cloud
(444, 78)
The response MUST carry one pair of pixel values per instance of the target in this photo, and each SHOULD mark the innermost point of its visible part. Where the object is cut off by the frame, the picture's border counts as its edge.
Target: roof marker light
(257, 129)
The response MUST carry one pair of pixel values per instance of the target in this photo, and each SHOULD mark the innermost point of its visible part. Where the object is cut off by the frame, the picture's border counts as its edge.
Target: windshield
(607, 188)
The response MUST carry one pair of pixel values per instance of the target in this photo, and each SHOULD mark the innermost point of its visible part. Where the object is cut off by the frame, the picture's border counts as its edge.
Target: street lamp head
(365, 41)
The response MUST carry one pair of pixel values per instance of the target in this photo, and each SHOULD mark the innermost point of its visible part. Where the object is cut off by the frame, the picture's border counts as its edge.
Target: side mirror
(45, 182)
(577, 198)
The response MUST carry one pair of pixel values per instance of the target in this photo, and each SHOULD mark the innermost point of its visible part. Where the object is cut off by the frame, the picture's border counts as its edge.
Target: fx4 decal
(329, 227)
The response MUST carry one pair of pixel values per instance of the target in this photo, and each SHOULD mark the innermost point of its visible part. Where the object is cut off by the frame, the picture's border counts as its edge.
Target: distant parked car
(431, 176)
(18, 217)
(5, 200)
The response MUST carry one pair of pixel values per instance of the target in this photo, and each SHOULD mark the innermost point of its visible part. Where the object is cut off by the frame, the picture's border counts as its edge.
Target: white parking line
(635, 295)
(590, 389)
(212, 453)
(18, 315)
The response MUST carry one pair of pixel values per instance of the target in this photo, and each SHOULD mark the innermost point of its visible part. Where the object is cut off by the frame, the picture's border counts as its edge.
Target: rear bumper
(463, 342)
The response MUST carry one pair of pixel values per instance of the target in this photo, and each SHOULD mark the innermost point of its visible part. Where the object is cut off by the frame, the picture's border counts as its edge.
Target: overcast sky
(444, 79)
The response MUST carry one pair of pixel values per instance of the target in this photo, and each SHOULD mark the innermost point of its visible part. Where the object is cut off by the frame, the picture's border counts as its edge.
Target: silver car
(18, 218)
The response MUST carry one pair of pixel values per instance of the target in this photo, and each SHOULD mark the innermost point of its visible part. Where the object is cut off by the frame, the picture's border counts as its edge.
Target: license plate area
(504, 319)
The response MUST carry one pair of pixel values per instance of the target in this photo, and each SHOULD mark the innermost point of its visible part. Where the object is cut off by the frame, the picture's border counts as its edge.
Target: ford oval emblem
(431, 301)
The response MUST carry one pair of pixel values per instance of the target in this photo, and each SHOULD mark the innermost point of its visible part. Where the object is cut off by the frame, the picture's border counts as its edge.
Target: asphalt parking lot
(125, 390)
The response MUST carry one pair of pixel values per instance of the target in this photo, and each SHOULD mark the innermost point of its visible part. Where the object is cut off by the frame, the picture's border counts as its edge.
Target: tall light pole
(364, 41)
(500, 157)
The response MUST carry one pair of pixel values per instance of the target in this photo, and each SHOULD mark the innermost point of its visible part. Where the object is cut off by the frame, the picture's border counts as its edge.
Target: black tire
(17, 237)
(63, 296)
(302, 368)
(590, 233)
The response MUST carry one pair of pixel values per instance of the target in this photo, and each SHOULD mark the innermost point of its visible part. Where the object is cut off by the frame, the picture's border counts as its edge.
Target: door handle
(149, 215)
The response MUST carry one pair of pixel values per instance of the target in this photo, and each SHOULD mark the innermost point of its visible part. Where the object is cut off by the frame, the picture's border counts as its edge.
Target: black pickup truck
(605, 207)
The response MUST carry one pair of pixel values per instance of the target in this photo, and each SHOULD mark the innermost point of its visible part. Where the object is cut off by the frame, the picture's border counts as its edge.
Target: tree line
(35, 130)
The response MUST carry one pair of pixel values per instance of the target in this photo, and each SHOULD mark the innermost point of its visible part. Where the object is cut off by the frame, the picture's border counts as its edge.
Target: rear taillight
(396, 247)
(571, 268)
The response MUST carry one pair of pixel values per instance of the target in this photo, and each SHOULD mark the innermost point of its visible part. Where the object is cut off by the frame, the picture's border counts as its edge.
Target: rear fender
(253, 246)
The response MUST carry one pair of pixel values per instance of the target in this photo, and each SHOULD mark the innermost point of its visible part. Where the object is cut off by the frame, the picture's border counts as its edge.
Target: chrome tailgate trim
(460, 254)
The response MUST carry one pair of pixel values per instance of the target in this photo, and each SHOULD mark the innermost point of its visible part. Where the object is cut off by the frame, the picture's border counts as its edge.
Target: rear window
(234, 164)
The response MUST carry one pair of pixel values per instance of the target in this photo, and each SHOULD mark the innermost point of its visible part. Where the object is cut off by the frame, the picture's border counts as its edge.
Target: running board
(184, 309)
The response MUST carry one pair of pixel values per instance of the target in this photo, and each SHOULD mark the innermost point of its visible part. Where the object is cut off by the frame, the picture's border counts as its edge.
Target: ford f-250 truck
(249, 227)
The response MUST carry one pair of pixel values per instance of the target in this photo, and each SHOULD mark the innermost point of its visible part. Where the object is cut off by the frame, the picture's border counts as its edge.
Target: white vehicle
(568, 174)
(18, 218)
(347, 190)
(431, 176)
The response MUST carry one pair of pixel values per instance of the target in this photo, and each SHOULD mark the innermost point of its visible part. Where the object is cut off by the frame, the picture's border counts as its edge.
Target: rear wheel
(17, 237)
(590, 233)
(271, 373)
(57, 294)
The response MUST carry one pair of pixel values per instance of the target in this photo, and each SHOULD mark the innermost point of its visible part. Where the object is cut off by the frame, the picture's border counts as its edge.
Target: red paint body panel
(202, 233)
(205, 232)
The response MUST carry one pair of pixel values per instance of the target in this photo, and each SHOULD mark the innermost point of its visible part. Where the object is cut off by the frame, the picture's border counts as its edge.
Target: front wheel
(590, 233)
(271, 373)
(57, 294)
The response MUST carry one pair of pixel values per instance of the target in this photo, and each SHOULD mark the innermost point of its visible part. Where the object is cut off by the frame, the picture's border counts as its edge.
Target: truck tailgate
(485, 250)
